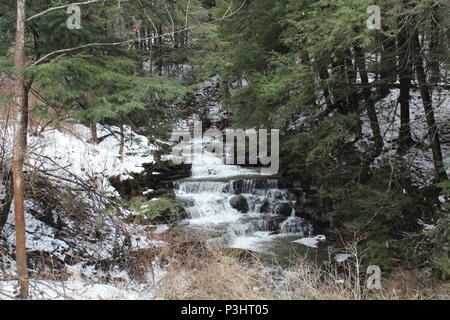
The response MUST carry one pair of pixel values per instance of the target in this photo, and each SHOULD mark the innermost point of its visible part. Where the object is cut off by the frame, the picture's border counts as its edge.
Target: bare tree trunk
(122, 142)
(19, 150)
(371, 112)
(433, 132)
(387, 65)
(405, 74)
(160, 51)
(339, 99)
(435, 50)
(324, 76)
(352, 97)
(94, 135)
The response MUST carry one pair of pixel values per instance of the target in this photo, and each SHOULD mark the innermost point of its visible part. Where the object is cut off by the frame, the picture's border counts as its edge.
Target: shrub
(152, 210)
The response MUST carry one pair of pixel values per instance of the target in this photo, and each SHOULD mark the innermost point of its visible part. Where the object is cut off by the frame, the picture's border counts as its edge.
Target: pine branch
(119, 43)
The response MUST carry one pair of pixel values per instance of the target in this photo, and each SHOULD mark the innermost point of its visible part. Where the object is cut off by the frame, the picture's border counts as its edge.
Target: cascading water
(269, 212)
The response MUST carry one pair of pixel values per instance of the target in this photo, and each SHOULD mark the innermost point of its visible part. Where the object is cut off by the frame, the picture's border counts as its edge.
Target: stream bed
(262, 219)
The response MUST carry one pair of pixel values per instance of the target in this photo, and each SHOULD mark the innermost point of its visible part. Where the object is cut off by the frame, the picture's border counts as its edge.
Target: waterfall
(213, 184)
(204, 186)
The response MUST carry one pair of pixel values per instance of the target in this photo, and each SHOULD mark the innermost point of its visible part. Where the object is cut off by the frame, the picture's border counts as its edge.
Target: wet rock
(264, 206)
(168, 171)
(239, 203)
(296, 225)
(248, 185)
(298, 192)
(169, 211)
(160, 193)
(267, 223)
(128, 188)
(238, 186)
(156, 176)
(284, 209)
(316, 209)
(169, 216)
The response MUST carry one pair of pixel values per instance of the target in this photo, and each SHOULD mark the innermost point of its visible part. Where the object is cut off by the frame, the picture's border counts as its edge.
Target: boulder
(284, 209)
(156, 176)
(239, 203)
(161, 211)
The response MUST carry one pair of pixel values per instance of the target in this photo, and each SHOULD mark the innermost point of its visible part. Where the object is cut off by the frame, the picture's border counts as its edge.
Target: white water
(210, 189)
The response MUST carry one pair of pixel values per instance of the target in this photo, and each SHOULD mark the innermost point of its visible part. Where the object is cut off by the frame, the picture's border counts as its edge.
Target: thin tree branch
(170, 16)
(119, 43)
(187, 13)
(148, 17)
(64, 6)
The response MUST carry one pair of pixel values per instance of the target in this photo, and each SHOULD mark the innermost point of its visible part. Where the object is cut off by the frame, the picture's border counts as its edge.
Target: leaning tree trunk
(19, 149)
(433, 132)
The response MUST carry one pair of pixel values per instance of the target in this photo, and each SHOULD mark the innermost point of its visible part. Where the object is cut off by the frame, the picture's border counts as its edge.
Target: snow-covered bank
(85, 283)
(67, 151)
(71, 219)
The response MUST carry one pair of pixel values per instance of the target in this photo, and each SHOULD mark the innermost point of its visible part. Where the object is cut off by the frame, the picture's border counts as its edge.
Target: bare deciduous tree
(19, 149)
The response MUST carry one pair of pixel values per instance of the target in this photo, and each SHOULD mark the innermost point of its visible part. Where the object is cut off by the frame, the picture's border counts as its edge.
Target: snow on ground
(341, 257)
(90, 235)
(83, 284)
(420, 156)
(67, 151)
(209, 107)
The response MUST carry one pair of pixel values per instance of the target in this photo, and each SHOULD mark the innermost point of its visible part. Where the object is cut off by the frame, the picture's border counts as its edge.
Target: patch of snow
(161, 228)
(146, 192)
(82, 285)
(341, 257)
(66, 152)
(420, 156)
(426, 227)
(311, 242)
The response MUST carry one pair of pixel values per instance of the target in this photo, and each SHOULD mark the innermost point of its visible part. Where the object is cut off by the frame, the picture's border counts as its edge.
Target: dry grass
(194, 272)
(222, 278)
(226, 278)
(213, 275)
(412, 285)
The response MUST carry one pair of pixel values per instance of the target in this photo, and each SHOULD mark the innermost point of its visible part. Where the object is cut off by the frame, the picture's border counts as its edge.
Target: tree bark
(94, 135)
(324, 76)
(387, 65)
(19, 150)
(352, 94)
(160, 51)
(122, 142)
(371, 112)
(433, 132)
(435, 49)
(405, 74)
